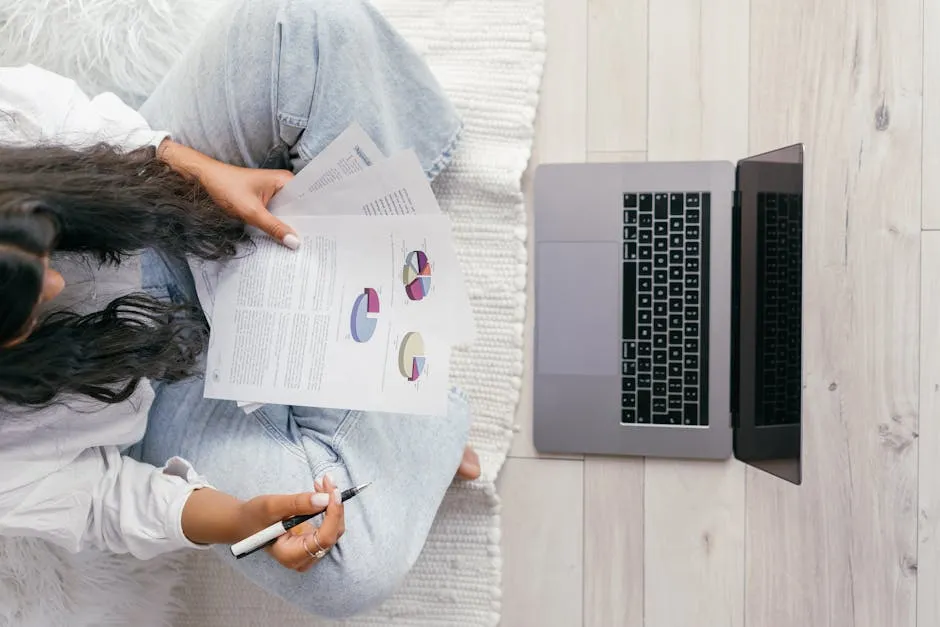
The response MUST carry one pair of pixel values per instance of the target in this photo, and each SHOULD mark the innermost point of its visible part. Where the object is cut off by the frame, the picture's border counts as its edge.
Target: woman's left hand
(242, 192)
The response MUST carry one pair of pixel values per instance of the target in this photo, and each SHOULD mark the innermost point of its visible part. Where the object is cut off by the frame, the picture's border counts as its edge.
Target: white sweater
(62, 475)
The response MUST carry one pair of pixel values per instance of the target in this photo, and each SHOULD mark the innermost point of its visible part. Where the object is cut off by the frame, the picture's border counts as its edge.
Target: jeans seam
(446, 156)
(345, 426)
(277, 435)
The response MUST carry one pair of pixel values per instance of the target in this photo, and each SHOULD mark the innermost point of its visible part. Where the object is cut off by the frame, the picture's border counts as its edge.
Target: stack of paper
(364, 315)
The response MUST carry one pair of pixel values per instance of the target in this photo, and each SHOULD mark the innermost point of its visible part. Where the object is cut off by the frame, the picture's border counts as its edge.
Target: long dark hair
(107, 204)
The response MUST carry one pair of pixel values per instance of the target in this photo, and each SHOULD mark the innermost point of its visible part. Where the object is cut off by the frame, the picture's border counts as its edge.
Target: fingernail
(337, 497)
(328, 478)
(320, 499)
(291, 241)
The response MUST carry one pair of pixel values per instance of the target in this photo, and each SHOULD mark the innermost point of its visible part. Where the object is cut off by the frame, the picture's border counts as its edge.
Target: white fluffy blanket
(489, 56)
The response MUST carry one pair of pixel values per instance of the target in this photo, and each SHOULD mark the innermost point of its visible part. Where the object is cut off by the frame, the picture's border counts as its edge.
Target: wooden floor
(628, 542)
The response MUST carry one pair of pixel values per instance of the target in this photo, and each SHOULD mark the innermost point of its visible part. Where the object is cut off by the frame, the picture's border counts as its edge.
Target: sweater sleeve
(44, 107)
(107, 501)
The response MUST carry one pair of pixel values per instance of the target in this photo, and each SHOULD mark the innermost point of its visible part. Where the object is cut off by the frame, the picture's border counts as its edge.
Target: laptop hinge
(735, 306)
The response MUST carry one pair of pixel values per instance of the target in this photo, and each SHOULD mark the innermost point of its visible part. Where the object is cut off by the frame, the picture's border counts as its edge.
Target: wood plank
(560, 136)
(616, 75)
(613, 521)
(928, 501)
(840, 550)
(541, 542)
(613, 542)
(616, 156)
(694, 511)
(931, 146)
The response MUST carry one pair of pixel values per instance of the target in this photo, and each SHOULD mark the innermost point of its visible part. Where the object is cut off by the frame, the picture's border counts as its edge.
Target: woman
(103, 423)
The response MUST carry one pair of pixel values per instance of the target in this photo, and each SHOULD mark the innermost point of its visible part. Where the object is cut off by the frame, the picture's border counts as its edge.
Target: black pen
(268, 535)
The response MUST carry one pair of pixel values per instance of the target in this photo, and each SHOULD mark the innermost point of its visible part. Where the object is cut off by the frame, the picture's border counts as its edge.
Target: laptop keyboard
(664, 368)
(780, 259)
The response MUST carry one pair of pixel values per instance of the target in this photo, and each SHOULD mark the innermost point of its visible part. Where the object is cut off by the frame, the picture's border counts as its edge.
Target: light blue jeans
(271, 84)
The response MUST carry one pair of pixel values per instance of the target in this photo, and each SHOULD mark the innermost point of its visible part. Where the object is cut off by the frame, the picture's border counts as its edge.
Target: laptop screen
(768, 298)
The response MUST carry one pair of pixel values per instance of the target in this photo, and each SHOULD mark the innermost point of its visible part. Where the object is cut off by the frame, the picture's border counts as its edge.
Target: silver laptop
(668, 315)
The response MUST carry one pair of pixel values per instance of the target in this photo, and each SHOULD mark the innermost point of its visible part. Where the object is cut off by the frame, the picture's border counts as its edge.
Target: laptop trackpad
(578, 302)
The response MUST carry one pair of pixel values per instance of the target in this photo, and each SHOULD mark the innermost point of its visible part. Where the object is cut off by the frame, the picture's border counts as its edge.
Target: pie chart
(411, 360)
(417, 275)
(365, 315)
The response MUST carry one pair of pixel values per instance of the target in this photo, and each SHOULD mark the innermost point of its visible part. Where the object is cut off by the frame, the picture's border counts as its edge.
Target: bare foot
(469, 465)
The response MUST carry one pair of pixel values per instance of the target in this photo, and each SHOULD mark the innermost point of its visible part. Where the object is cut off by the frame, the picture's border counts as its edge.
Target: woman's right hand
(296, 548)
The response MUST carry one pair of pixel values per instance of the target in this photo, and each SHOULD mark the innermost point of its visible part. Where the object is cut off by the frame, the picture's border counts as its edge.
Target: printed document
(350, 153)
(351, 320)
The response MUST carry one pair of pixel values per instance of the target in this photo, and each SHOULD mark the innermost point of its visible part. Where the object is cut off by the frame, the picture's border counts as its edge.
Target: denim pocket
(295, 80)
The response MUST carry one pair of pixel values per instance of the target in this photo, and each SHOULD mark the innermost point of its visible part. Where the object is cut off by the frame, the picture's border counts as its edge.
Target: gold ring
(307, 549)
(316, 538)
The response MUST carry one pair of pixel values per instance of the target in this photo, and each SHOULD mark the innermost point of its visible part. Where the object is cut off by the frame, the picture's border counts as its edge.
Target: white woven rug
(488, 56)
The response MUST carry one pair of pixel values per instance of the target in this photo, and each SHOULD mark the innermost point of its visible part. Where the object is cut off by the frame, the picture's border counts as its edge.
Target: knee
(363, 576)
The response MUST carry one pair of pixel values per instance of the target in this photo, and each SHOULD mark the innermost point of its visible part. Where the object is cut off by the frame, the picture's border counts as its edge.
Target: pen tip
(363, 486)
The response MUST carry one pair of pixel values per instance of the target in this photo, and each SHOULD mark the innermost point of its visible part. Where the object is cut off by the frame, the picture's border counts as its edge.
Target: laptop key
(660, 410)
(628, 416)
(628, 384)
(690, 414)
(676, 204)
(661, 206)
(691, 200)
(629, 200)
(659, 373)
(628, 299)
(644, 381)
(643, 413)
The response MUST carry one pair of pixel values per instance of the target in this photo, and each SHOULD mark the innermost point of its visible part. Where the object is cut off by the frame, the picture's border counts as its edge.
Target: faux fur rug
(488, 56)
